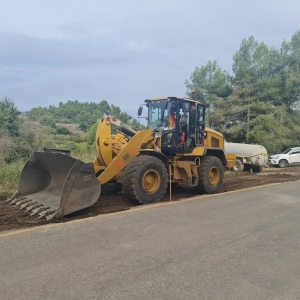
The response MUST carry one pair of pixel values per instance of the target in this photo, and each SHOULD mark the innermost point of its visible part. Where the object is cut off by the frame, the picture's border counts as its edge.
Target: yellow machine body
(121, 149)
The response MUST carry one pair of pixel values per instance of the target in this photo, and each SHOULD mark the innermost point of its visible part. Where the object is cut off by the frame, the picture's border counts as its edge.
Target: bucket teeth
(25, 205)
(22, 201)
(33, 208)
(12, 197)
(14, 201)
(46, 214)
(37, 210)
(49, 217)
(30, 207)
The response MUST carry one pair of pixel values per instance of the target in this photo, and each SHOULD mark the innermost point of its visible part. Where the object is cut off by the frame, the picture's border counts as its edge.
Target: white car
(287, 158)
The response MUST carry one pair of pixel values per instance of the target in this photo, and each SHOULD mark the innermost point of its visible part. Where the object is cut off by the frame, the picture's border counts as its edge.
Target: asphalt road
(239, 245)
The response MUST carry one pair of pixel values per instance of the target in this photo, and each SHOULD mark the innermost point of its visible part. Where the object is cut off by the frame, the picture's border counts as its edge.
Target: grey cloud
(125, 51)
(22, 49)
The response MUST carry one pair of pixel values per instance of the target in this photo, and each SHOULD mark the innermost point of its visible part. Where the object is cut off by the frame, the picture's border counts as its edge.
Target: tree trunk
(248, 122)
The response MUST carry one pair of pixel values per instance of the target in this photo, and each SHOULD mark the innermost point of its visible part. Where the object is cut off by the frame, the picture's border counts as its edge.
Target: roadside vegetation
(9, 175)
(259, 102)
(70, 126)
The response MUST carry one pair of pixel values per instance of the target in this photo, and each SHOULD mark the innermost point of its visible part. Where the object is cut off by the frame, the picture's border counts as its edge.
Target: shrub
(63, 130)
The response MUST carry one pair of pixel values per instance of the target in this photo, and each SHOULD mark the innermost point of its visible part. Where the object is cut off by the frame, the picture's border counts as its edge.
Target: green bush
(47, 121)
(91, 133)
(63, 130)
(83, 126)
(84, 152)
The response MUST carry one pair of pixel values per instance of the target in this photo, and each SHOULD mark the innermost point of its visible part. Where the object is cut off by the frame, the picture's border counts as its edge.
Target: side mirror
(140, 111)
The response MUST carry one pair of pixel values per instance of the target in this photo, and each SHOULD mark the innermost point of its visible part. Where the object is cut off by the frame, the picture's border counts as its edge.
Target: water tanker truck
(248, 156)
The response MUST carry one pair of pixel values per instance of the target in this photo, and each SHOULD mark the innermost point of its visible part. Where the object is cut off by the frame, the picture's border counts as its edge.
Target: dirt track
(12, 217)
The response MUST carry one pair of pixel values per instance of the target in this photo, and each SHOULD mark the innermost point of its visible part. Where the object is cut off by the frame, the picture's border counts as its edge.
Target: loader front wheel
(211, 175)
(145, 179)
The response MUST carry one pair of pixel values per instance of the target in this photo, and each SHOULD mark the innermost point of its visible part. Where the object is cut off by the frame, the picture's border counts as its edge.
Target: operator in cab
(172, 117)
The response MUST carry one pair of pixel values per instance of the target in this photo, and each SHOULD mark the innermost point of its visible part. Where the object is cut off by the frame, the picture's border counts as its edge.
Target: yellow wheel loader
(176, 147)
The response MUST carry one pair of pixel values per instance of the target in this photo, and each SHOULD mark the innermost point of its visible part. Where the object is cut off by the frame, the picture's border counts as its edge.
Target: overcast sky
(125, 51)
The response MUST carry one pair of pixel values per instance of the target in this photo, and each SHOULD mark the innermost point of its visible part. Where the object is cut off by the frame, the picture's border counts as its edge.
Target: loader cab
(181, 122)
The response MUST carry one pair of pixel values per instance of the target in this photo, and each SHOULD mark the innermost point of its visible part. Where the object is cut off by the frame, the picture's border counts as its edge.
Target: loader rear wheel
(211, 173)
(145, 179)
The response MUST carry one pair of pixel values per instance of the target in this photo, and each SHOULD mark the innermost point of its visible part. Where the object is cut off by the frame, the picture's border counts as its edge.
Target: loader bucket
(53, 184)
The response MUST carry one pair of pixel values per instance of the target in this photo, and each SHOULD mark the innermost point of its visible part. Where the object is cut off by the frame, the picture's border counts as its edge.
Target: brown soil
(11, 217)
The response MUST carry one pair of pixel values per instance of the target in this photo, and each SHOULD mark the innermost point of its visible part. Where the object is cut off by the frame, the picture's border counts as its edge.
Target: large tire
(257, 169)
(247, 168)
(239, 166)
(145, 179)
(283, 163)
(211, 174)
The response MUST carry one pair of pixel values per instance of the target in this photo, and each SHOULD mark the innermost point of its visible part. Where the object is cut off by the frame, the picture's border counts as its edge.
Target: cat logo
(126, 156)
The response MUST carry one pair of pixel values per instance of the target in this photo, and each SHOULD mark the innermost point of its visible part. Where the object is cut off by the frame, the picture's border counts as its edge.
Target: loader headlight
(158, 135)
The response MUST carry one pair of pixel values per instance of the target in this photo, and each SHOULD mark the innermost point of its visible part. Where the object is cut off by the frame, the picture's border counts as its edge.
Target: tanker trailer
(248, 156)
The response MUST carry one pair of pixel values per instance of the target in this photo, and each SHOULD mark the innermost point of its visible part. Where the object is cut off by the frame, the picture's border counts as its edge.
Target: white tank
(248, 153)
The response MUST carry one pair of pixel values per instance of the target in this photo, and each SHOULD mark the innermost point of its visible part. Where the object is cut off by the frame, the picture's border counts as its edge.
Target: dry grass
(9, 176)
(74, 128)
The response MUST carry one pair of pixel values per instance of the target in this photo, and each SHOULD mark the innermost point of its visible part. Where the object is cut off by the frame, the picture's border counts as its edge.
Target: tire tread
(129, 179)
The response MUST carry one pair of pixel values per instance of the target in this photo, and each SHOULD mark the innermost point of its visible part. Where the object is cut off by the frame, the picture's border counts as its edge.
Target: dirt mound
(11, 217)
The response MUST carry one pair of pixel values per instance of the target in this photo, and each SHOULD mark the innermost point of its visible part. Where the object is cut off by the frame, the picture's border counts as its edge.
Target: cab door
(200, 124)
